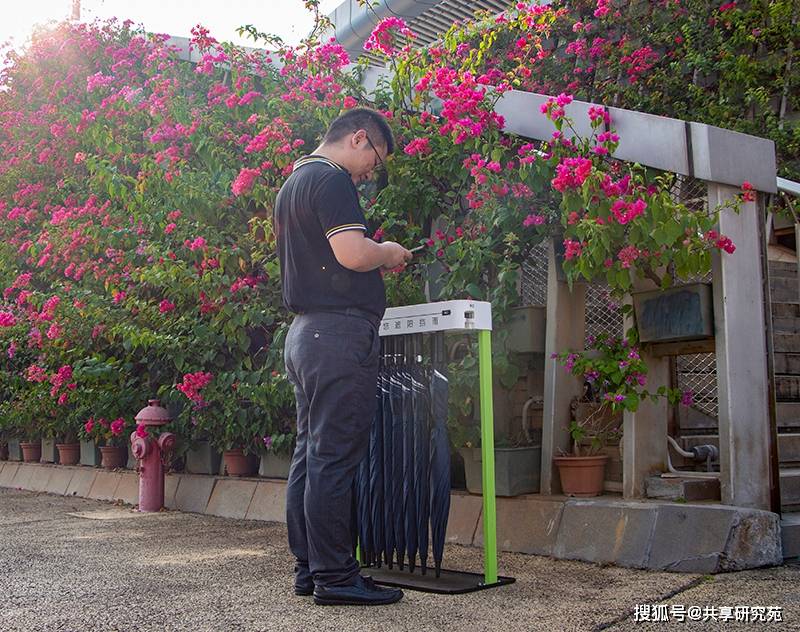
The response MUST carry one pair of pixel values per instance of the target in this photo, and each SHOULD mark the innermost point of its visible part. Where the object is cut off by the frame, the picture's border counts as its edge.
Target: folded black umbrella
(422, 442)
(440, 453)
(398, 455)
(409, 459)
(388, 455)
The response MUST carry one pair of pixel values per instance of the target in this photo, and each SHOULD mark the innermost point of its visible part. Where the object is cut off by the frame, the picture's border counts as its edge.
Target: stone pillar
(644, 433)
(564, 329)
(741, 347)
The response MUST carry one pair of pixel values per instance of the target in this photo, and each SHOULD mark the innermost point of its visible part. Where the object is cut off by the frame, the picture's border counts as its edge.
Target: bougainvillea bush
(136, 250)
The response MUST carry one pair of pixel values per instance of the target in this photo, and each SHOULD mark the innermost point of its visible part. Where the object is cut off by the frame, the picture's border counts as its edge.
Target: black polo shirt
(317, 201)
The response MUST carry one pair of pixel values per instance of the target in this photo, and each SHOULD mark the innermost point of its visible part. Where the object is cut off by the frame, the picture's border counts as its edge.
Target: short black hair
(371, 121)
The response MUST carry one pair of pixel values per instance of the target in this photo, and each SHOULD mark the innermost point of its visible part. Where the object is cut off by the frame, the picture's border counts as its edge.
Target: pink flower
(170, 227)
(7, 319)
(533, 220)
(165, 306)
(36, 374)
(141, 431)
(418, 146)
(89, 425)
(117, 426)
(198, 244)
(244, 181)
(119, 296)
(191, 385)
(12, 349)
(571, 173)
(349, 102)
(79, 158)
(687, 398)
(572, 249)
(382, 38)
(748, 194)
(54, 331)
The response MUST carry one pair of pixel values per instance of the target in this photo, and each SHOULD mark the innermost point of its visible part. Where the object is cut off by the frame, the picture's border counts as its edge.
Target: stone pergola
(723, 159)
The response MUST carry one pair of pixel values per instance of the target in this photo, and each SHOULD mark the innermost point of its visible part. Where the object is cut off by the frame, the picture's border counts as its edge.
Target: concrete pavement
(72, 564)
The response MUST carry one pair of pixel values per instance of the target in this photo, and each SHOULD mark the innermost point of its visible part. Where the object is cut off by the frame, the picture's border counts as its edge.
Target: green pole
(487, 458)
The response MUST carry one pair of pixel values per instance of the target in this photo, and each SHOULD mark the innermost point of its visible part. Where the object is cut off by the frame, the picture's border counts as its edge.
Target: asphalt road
(77, 565)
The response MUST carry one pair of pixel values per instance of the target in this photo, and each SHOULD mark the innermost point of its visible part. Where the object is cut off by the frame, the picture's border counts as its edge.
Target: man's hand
(395, 256)
(356, 252)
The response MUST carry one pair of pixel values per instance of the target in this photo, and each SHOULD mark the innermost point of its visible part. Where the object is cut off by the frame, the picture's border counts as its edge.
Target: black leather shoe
(304, 590)
(363, 593)
(303, 582)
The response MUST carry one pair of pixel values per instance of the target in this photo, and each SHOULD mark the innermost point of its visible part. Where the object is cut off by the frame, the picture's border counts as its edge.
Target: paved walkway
(71, 564)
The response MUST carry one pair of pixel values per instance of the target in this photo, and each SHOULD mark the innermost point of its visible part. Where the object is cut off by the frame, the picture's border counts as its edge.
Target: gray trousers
(332, 361)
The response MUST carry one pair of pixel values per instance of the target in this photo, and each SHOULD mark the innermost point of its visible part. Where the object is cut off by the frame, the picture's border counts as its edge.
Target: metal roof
(429, 19)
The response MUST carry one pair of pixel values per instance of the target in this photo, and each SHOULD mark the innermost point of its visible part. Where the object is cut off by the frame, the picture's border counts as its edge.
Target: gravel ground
(77, 565)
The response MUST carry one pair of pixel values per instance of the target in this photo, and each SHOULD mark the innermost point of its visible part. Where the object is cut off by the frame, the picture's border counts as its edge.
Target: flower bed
(136, 248)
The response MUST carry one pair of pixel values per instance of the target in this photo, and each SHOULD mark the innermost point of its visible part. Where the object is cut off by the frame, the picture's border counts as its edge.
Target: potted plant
(229, 408)
(517, 467)
(66, 437)
(31, 406)
(276, 458)
(614, 377)
(111, 437)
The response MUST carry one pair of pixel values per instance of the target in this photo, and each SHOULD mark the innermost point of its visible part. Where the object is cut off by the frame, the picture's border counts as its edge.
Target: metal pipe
(686, 454)
(525, 429)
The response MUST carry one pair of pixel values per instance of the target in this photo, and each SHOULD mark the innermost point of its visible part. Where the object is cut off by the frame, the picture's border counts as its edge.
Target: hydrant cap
(153, 414)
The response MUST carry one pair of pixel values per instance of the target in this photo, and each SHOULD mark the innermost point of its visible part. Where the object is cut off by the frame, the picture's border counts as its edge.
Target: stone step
(790, 486)
(788, 445)
(785, 310)
(786, 343)
(787, 387)
(787, 363)
(790, 534)
(782, 289)
(788, 414)
(781, 295)
(785, 325)
(782, 269)
(682, 489)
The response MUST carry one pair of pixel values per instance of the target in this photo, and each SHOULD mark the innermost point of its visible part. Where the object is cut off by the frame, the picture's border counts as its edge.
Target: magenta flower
(7, 319)
(533, 220)
(384, 35)
(418, 146)
(687, 398)
(117, 426)
(198, 244)
(165, 306)
(244, 181)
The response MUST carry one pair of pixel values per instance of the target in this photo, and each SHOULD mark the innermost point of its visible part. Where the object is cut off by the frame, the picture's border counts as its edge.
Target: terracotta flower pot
(237, 463)
(113, 457)
(31, 451)
(68, 453)
(582, 476)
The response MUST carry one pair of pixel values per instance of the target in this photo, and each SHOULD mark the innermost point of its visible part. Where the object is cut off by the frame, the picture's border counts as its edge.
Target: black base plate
(448, 582)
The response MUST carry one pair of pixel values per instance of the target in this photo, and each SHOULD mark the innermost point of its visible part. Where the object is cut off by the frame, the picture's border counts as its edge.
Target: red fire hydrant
(152, 455)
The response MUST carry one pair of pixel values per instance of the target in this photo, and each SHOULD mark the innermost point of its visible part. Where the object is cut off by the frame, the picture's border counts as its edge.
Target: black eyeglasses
(380, 164)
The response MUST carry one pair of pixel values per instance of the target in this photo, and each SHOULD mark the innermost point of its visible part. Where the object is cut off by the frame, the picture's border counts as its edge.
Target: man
(332, 279)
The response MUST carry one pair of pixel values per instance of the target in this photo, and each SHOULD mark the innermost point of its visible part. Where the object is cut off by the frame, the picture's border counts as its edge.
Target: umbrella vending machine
(402, 495)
